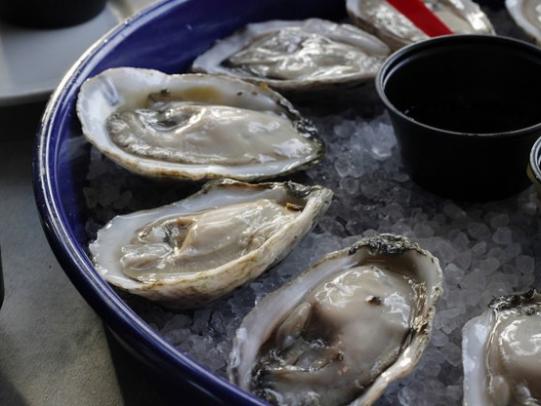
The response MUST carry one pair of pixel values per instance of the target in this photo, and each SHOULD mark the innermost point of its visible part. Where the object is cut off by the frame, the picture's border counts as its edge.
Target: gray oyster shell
(198, 249)
(344, 329)
(194, 126)
(527, 15)
(297, 56)
(384, 21)
(501, 353)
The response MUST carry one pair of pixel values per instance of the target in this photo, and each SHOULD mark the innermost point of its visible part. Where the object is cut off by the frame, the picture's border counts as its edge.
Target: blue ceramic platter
(166, 36)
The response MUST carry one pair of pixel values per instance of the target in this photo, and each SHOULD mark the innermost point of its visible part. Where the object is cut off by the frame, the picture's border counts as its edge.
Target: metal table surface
(54, 350)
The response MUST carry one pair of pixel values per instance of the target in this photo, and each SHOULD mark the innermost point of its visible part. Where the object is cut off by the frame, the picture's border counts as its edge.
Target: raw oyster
(297, 55)
(198, 249)
(396, 30)
(194, 126)
(501, 351)
(344, 329)
(527, 15)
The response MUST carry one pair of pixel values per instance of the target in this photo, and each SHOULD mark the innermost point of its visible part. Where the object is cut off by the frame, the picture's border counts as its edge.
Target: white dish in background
(32, 61)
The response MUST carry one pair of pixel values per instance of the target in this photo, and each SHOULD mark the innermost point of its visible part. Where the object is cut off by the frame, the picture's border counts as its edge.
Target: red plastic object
(421, 16)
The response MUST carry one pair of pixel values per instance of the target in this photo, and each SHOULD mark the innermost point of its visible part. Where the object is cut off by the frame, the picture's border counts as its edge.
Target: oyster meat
(344, 329)
(396, 30)
(296, 55)
(198, 249)
(194, 126)
(501, 351)
(527, 15)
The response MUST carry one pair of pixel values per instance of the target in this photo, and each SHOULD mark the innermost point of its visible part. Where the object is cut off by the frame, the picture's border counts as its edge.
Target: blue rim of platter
(125, 323)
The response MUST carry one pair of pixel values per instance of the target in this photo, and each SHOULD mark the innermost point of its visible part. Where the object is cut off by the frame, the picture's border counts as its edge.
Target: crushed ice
(486, 250)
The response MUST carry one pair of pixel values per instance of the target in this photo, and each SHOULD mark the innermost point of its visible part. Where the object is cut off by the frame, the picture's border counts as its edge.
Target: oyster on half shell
(396, 30)
(344, 329)
(501, 352)
(194, 126)
(193, 251)
(297, 55)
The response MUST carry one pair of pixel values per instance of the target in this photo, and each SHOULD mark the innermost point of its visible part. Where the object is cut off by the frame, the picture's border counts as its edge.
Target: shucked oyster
(194, 126)
(344, 329)
(296, 55)
(200, 248)
(502, 353)
(395, 29)
(527, 15)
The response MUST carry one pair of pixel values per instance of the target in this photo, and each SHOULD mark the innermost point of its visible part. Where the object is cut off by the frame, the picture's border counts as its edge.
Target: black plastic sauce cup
(49, 13)
(466, 110)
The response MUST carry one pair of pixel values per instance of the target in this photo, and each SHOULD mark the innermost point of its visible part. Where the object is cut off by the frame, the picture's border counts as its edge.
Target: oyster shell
(527, 15)
(344, 329)
(501, 351)
(194, 126)
(396, 30)
(296, 55)
(193, 251)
